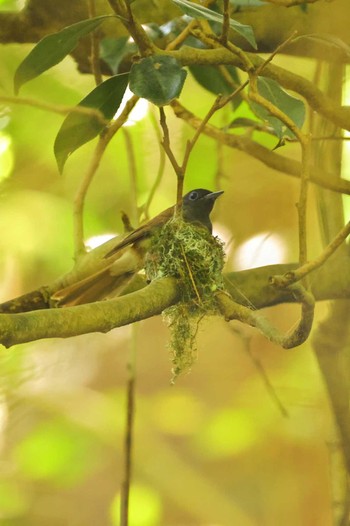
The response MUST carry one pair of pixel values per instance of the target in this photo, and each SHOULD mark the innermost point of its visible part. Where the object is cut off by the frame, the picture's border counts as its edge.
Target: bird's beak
(213, 195)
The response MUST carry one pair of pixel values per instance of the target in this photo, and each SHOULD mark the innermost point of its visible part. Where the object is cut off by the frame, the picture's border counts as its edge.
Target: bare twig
(255, 96)
(167, 148)
(55, 108)
(304, 270)
(261, 371)
(225, 23)
(95, 48)
(318, 101)
(141, 39)
(94, 164)
(269, 158)
(180, 170)
(257, 151)
(129, 429)
(321, 138)
(278, 49)
(133, 174)
(182, 36)
(127, 456)
(161, 167)
(302, 203)
(208, 37)
(290, 3)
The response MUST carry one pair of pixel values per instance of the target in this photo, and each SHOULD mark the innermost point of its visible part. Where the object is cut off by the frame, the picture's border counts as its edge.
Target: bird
(127, 256)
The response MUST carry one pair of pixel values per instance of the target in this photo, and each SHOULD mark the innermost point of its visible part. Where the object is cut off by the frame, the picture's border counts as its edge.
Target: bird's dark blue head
(197, 205)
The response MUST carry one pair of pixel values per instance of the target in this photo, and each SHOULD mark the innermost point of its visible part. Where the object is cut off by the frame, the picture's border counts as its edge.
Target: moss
(192, 255)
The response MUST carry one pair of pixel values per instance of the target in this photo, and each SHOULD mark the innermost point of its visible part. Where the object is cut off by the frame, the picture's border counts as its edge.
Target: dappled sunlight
(224, 233)
(145, 507)
(6, 156)
(262, 249)
(96, 241)
(228, 432)
(177, 412)
(138, 113)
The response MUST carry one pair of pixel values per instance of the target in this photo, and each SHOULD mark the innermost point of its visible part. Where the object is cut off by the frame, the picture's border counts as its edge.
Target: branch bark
(250, 288)
(95, 317)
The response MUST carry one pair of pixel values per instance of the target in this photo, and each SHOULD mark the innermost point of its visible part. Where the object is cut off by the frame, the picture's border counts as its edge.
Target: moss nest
(192, 255)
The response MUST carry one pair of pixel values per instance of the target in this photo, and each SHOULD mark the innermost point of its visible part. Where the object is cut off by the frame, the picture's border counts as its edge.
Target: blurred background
(246, 438)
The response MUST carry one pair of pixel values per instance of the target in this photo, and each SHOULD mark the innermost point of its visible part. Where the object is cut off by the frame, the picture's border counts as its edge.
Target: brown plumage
(127, 256)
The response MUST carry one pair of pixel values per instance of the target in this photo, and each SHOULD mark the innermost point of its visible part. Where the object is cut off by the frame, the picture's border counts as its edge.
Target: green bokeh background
(214, 448)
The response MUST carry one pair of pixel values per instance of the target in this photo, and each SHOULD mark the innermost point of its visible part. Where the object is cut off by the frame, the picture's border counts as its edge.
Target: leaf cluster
(156, 75)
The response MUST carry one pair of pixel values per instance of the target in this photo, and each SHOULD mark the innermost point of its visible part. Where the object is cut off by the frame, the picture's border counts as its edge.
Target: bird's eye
(193, 196)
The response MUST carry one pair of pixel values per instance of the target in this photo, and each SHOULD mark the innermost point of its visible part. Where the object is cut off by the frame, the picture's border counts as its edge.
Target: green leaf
(52, 49)
(112, 51)
(291, 106)
(244, 122)
(158, 79)
(77, 128)
(200, 12)
(211, 79)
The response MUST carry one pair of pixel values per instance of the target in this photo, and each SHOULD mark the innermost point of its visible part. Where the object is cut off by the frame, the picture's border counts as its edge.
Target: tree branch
(233, 311)
(339, 115)
(269, 158)
(100, 148)
(247, 288)
(95, 317)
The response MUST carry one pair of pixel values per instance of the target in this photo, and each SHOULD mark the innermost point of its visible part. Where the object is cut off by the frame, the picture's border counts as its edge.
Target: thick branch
(250, 288)
(339, 115)
(95, 317)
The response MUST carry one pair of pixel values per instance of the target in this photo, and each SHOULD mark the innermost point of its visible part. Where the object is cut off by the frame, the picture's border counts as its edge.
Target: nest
(189, 253)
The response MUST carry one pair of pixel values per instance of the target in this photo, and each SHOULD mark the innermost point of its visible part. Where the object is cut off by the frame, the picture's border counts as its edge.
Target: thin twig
(167, 148)
(219, 103)
(302, 203)
(133, 174)
(257, 151)
(274, 53)
(304, 270)
(79, 200)
(95, 46)
(135, 29)
(161, 167)
(54, 108)
(182, 36)
(225, 23)
(261, 371)
(255, 96)
(208, 37)
(321, 138)
(291, 3)
(129, 430)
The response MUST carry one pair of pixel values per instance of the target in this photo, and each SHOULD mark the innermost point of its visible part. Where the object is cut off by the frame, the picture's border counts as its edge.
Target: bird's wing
(143, 231)
(127, 258)
(110, 280)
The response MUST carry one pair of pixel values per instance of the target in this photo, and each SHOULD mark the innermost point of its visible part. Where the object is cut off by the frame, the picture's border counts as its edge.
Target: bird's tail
(93, 288)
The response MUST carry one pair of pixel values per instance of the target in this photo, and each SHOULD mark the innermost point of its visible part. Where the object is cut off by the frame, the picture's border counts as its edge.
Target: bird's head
(197, 205)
